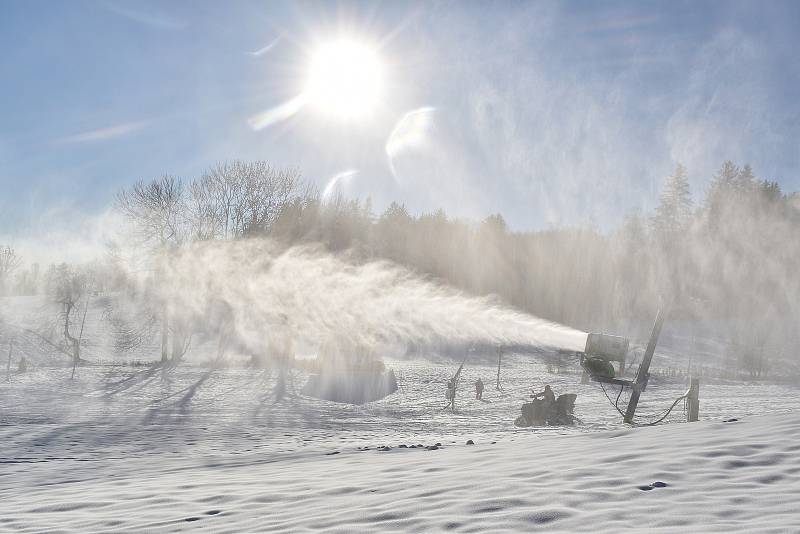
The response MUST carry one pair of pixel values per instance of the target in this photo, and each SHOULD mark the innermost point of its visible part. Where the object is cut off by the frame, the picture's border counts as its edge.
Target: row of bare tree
(233, 200)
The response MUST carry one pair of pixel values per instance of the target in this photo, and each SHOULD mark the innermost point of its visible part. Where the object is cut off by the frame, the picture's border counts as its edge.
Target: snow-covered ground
(121, 449)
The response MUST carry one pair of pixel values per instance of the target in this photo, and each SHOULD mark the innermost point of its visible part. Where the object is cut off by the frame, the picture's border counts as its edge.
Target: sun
(344, 79)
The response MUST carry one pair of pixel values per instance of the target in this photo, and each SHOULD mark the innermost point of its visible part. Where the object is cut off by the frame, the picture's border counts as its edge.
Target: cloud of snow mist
(58, 235)
(305, 296)
(583, 130)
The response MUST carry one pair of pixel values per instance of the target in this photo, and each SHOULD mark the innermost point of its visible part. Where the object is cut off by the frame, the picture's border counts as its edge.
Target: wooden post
(164, 333)
(693, 401)
(499, 359)
(643, 375)
(8, 367)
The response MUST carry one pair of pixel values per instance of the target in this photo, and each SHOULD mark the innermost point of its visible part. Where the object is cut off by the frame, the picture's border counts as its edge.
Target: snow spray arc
(307, 295)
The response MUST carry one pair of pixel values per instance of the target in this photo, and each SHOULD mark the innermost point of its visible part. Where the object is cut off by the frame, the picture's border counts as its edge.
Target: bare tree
(156, 210)
(206, 213)
(267, 191)
(243, 198)
(231, 200)
(217, 194)
(158, 216)
(68, 288)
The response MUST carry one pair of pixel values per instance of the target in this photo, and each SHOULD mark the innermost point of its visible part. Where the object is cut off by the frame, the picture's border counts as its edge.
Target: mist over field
(399, 267)
(248, 251)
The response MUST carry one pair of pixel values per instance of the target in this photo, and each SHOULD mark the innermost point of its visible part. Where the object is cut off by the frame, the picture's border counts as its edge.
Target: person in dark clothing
(547, 395)
(479, 389)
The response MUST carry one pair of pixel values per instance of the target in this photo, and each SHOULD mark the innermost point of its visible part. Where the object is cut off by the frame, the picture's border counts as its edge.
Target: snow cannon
(600, 351)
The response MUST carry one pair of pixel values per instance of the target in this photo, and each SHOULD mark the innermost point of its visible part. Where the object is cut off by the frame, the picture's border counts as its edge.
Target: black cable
(609, 399)
(682, 397)
(615, 404)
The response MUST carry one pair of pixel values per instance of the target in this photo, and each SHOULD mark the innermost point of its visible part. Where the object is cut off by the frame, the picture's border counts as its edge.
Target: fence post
(8, 367)
(693, 401)
(499, 359)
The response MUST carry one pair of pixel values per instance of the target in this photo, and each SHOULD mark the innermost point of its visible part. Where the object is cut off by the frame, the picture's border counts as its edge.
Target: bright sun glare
(344, 79)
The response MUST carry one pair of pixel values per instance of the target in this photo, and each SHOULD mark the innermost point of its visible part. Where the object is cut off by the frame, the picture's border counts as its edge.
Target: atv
(540, 412)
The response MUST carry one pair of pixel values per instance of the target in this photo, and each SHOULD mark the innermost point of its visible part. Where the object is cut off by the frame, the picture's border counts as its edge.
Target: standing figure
(451, 394)
(479, 389)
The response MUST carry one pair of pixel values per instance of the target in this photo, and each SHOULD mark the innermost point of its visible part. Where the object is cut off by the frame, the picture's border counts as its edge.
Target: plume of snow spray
(308, 296)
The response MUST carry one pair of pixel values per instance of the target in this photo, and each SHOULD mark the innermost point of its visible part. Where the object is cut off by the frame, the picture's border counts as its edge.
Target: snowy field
(122, 449)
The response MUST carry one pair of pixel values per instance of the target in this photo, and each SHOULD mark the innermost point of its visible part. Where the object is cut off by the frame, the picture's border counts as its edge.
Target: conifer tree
(675, 207)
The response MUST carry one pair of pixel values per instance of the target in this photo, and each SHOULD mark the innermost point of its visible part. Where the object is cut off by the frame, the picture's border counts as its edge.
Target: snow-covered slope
(717, 477)
(179, 449)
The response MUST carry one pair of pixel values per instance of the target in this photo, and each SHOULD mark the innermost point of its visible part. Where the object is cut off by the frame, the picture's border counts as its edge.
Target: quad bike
(540, 412)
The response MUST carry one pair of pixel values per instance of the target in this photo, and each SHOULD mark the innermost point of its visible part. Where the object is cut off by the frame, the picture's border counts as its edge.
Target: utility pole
(451, 388)
(643, 375)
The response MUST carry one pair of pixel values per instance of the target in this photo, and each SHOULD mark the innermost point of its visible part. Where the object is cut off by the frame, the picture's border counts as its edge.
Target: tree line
(725, 264)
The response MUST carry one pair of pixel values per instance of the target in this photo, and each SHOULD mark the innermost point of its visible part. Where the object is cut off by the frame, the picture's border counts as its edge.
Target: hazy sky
(550, 113)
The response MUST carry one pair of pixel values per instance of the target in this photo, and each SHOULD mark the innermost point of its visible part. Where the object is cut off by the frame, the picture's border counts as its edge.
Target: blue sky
(550, 113)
